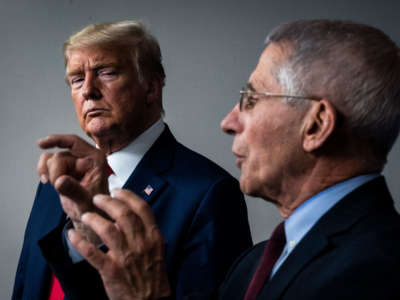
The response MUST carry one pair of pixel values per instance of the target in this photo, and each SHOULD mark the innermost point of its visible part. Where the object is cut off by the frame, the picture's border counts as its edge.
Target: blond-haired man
(115, 75)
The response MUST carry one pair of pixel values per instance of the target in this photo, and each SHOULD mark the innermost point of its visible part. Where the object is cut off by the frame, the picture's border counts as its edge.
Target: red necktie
(56, 292)
(272, 251)
(109, 170)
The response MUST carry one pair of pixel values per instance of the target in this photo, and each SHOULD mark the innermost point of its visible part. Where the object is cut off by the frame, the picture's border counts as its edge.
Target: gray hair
(132, 35)
(355, 66)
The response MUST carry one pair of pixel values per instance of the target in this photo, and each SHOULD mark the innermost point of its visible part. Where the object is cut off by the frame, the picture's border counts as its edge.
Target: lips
(94, 112)
(239, 159)
(239, 162)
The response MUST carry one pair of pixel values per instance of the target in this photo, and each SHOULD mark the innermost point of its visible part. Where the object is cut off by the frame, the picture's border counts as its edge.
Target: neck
(322, 175)
(113, 144)
(115, 141)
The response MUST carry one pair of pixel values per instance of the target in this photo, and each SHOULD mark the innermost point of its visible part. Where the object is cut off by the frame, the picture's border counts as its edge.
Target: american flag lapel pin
(148, 190)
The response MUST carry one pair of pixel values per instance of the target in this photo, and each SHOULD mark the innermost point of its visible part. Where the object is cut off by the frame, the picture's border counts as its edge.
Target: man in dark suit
(312, 132)
(116, 77)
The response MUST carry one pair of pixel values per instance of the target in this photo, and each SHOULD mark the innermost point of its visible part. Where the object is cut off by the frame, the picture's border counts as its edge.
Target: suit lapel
(48, 212)
(145, 184)
(306, 250)
(338, 219)
(145, 180)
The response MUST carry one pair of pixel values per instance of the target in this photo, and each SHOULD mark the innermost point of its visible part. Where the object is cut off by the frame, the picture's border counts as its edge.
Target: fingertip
(62, 183)
(70, 187)
(72, 235)
(117, 190)
(42, 140)
(44, 179)
(99, 198)
(85, 217)
(123, 193)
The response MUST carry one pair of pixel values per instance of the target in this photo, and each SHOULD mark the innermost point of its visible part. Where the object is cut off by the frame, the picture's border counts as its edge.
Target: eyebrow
(250, 87)
(93, 68)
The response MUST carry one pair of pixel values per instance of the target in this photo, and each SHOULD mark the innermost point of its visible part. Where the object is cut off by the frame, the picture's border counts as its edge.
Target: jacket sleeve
(80, 280)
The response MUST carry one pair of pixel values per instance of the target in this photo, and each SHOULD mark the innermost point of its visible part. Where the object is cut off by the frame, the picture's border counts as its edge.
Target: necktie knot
(277, 241)
(109, 170)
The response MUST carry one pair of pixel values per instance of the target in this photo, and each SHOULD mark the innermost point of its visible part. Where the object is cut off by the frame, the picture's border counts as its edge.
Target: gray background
(209, 49)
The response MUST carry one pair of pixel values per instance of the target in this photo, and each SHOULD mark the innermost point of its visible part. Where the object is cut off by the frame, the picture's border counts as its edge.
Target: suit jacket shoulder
(350, 253)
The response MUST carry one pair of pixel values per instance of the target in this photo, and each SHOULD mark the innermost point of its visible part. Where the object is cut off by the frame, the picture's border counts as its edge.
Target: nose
(90, 90)
(231, 123)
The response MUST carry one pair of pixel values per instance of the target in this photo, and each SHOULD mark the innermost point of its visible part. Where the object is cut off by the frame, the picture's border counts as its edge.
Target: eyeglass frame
(245, 93)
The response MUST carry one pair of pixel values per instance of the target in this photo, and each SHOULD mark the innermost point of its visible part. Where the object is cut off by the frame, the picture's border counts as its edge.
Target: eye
(76, 81)
(107, 73)
(249, 101)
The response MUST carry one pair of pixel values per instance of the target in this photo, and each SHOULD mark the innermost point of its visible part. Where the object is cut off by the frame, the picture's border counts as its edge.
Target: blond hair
(131, 35)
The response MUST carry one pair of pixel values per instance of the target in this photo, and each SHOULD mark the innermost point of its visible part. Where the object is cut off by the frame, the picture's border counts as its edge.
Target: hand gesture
(133, 267)
(77, 174)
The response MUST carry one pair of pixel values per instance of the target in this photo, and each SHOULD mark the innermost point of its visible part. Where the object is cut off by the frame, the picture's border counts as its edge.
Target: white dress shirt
(125, 161)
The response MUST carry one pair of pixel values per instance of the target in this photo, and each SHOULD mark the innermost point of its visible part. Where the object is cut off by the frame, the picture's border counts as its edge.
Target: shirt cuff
(72, 252)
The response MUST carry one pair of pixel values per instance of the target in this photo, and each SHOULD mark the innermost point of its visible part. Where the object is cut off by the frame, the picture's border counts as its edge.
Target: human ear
(154, 90)
(319, 123)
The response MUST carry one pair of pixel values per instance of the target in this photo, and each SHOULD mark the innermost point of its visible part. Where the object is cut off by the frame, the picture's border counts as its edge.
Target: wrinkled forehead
(98, 53)
(264, 76)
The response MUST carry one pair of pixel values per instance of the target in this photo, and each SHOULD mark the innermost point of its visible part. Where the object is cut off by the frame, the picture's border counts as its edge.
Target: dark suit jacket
(198, 207)
(352, 252)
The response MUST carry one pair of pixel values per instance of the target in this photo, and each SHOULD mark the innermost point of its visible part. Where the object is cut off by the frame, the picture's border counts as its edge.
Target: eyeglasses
(248, 99)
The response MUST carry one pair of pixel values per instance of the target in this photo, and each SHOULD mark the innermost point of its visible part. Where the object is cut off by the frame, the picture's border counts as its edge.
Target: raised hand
(133, 267)
(77, 173)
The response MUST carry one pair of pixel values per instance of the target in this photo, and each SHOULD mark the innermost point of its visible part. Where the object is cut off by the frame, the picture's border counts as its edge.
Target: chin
(247, 187)
(98, 125)
(252, 188)
(98, 130)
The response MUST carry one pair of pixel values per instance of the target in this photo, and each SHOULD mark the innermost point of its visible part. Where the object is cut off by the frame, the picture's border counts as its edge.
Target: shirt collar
(308, 213)
(124, 161)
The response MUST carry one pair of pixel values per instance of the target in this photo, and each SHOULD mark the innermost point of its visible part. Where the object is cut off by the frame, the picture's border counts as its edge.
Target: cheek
(120, 98)
(123, 109)
(258, 142)
(255, 155)
(264, 151)
(251, 181)
(78, 106)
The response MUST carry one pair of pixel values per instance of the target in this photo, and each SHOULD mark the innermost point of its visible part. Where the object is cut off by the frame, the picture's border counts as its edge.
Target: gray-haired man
(312, 132)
